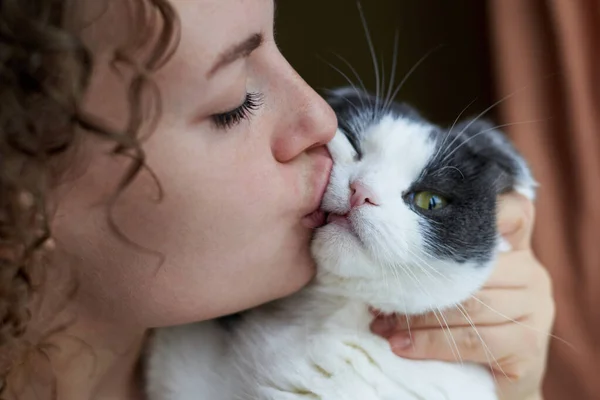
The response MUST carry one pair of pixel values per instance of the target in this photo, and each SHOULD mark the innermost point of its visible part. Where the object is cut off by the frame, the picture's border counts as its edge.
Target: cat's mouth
(340, 220)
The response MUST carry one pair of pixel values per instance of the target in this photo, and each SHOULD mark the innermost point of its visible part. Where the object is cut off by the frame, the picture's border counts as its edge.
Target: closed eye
(229, 119)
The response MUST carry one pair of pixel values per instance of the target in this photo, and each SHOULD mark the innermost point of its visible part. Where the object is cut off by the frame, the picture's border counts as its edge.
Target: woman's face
(231, 225)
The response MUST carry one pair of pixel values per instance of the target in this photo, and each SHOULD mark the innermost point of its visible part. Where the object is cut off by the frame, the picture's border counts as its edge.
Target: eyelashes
(229, 119)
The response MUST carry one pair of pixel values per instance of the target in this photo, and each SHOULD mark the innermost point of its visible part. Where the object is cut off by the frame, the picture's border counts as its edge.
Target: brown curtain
(547, 58)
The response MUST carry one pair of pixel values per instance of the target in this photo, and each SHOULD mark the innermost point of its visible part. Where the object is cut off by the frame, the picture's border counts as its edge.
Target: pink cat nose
(361, 195)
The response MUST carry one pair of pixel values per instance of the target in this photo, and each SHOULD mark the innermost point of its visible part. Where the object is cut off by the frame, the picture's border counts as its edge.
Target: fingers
(511, 293)
(516, 302)
(520, 270)
(492, 307)
(494, 345)
(516, 215)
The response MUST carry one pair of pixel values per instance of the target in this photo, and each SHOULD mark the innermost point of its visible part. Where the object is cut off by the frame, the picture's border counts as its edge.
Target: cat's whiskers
(357, 76)
(453, 345)
(445, 247)
(446, 329)
(461, 309)
(439, 170)
(431, 268)
(488, 352)
(351, 83)
(373, 58)
(495, 104)
(421, 259)
(396, 277)
(427, 272)
(480, 115)
(410, 336)
(448, 133)
(459, 359)
(517, 322)
(356, 112)
(388, 95)
(437, 313)
(486, 131)
(387, 106)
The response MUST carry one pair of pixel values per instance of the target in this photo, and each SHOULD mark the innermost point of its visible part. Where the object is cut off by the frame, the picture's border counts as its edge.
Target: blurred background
(541, 54)
(452, 35)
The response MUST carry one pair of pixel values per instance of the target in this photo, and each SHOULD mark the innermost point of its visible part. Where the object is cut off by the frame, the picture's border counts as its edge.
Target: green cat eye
(429, 201)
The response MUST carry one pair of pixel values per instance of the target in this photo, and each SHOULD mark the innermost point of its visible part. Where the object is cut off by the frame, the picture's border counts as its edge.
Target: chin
(300, 272)
(353, 268)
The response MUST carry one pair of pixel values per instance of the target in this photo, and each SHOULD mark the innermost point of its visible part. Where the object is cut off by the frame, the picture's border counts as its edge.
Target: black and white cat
(411, 228)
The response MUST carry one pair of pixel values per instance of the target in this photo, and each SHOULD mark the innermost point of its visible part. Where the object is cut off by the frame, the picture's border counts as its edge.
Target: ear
(483, 140)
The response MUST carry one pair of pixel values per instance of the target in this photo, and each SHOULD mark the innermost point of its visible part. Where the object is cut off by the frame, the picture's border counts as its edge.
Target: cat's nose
(361, 194)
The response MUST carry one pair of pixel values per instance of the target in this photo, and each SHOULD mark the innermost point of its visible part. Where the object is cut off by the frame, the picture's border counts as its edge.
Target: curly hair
(45, 70)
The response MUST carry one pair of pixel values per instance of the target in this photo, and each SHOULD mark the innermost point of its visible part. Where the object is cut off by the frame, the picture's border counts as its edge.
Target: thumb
(516, 215)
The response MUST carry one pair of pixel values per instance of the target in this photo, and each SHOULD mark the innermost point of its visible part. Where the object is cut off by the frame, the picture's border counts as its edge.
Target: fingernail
(383, 326)
(401, 343)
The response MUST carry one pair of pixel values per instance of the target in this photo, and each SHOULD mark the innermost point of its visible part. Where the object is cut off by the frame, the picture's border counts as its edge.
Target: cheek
(228, 227)
(394, 226)
(224, 195)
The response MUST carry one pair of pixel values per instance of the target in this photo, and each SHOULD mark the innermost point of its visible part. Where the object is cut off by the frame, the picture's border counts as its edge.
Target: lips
(314, 220)
(323, 165)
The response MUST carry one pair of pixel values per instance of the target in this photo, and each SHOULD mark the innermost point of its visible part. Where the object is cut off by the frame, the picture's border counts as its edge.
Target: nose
(306, 120)
(361, 195)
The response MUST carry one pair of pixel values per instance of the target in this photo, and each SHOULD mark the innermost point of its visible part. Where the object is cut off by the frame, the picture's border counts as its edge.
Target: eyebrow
(240, 50)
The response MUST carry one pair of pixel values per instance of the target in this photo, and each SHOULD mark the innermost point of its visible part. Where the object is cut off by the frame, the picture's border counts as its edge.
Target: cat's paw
(327, 370)
(346, 368)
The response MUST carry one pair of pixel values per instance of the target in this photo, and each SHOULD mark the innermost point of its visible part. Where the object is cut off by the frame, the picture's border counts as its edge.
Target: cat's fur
(391, 256)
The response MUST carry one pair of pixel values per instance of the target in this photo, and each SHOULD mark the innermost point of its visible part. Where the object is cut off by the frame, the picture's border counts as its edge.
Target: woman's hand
(513, 315)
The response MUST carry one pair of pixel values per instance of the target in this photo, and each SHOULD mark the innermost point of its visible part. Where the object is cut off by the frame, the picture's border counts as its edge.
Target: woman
(195, 214)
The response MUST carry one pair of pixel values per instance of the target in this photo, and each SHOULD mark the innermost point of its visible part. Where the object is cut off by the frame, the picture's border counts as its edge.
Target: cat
(411, 228)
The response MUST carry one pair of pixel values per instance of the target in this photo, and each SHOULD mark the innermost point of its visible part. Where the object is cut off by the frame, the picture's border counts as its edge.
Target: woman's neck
(85, 361)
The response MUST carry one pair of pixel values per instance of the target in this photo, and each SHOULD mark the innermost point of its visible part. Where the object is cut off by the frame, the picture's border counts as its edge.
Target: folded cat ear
(482, 139)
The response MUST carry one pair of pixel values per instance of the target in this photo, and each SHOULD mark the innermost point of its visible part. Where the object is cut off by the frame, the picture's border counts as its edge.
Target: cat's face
(412, 220)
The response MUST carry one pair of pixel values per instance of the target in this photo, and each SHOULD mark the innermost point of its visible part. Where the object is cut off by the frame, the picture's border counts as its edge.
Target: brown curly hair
(45, 70)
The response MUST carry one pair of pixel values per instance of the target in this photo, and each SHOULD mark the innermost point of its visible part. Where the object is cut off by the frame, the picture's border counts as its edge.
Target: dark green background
(449, 79)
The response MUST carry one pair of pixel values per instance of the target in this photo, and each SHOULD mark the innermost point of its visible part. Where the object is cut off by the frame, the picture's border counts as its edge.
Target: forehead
(207, 27)
(210, 28)
(398, 140)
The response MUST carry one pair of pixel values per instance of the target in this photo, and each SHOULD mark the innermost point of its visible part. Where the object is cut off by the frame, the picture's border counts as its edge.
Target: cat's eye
(428, 200)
